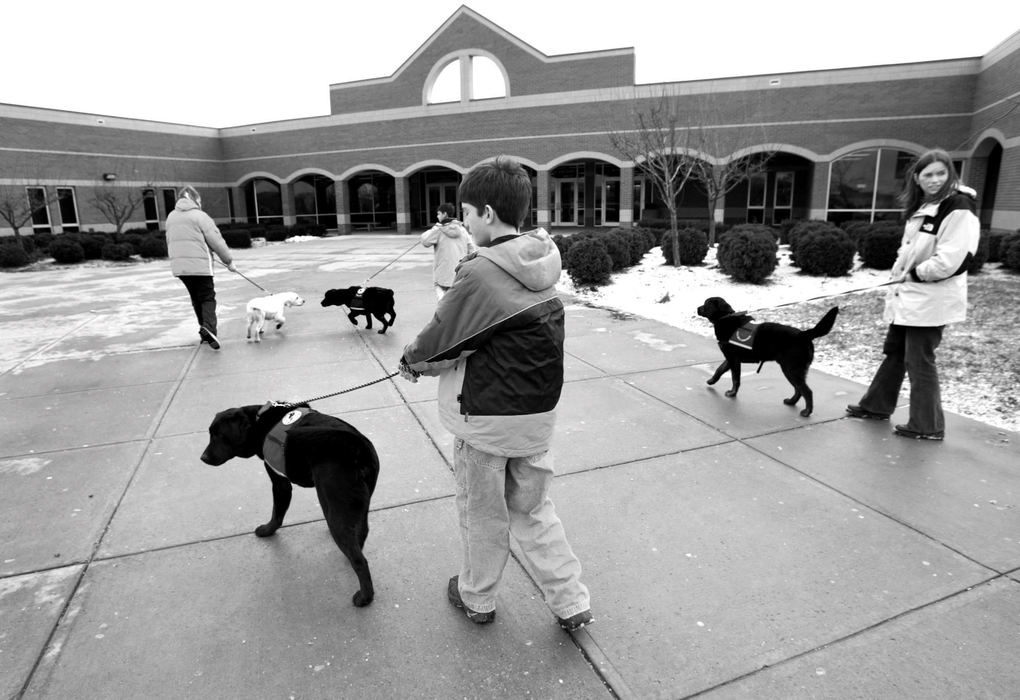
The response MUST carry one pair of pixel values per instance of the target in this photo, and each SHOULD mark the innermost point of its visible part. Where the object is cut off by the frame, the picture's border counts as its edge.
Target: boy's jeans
(909, 350)
(500, 496)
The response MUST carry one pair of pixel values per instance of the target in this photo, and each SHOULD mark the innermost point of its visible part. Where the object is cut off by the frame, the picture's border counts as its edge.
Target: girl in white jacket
(939, 241)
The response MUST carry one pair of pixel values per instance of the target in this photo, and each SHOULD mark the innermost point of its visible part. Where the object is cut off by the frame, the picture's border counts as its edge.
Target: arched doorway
(314, 201)
(584, 192)
(430, 187)
(263, 200)
(372, 198)
(781, 192)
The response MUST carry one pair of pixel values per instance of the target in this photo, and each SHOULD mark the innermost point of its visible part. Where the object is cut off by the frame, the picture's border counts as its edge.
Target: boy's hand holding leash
(407, 373)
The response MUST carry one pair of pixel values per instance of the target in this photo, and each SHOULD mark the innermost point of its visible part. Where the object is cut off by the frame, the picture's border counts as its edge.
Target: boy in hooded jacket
(451, 242)
(496, 343)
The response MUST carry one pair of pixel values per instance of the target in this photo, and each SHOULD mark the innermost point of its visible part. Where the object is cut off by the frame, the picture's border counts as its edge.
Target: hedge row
(68, 248)
(591, 256)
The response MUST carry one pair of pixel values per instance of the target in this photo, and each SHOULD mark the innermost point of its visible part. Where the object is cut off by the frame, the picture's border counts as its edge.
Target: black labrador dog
(372, 301)
(742, 341)
(299, 445)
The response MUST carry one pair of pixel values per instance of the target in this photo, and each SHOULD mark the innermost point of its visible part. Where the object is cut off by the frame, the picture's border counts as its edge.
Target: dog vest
(275, 444)
(744, 336)
(357, 302)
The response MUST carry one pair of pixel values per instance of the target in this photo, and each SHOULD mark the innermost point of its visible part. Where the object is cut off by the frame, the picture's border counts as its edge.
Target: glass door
(782, 198)
(568, 202)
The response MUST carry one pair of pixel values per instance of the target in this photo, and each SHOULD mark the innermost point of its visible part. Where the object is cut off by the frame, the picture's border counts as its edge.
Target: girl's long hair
(912, 196)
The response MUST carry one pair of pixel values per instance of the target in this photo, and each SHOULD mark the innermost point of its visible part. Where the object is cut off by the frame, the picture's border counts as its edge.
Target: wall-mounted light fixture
(109, 177)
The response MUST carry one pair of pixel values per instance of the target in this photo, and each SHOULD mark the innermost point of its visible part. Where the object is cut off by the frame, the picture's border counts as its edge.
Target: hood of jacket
(531, 258)
(185, 204)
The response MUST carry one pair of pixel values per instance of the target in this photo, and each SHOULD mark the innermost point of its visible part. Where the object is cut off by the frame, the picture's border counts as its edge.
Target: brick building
(393, 148)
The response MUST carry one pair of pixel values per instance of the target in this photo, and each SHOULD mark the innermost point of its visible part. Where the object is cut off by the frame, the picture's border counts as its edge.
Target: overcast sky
(226, 63)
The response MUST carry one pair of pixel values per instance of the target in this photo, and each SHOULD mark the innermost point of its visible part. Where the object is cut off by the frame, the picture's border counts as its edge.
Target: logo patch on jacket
(744, 336)
(928, 227)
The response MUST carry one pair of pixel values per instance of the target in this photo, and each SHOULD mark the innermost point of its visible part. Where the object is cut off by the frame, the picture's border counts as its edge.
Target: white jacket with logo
(939, 241)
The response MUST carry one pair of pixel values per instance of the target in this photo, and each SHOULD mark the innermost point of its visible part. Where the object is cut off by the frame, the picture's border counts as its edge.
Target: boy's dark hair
(502, 184)
(448, 209)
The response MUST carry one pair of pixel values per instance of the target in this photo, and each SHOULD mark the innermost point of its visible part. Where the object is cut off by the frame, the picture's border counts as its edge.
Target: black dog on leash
(302, 446)
(364, 301)
(743, 341)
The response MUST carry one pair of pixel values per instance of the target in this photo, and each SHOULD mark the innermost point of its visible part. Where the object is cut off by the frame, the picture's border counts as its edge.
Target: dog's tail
(822, 327)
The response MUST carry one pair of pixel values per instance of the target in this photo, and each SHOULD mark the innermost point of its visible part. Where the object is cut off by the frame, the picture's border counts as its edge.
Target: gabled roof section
(463, 11)
(526, 70)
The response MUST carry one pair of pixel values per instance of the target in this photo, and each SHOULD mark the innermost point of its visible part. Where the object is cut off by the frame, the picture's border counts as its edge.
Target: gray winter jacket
(191, 236)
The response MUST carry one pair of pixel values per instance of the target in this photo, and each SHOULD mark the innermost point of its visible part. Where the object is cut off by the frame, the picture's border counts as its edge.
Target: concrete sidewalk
(733, 548)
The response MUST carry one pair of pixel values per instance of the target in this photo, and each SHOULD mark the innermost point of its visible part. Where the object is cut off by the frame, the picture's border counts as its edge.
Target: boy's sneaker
(855, 411)
(453, 593)
(576, 622)
(904, 431)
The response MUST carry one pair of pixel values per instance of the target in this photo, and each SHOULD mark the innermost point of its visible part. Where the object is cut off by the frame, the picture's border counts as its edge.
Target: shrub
(747, 253)
(92, 245)
(997, 243)
(651, 237)
(563, 245)
(132, 237)
(693, 246)
(588, 262)
(118, 251)
(981, 256)
(666, 243)
(1011, 253)
(66, 251)
(13, 255)
(618, 248)
(638, 244)
(41, 241)
(237, 238)
(825, 252)
(802, 229)
(878, 245)
(153, 246)
(277, 233)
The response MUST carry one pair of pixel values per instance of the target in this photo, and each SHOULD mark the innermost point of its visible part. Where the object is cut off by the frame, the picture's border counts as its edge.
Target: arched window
(466, 76)
(264, 201)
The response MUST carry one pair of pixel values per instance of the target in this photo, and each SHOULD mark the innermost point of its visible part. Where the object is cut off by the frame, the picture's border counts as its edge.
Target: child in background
(451, 242)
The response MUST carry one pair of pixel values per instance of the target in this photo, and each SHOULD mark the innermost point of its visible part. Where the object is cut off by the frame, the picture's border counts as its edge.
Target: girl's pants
(910, 351)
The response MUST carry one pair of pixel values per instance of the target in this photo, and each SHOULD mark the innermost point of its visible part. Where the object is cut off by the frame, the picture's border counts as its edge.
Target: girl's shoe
(855, 411)
(904, 431)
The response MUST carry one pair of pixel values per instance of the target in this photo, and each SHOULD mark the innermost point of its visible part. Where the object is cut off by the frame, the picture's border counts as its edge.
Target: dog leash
(238, 272)
(369, 278)
(335, 393)
(824, 296)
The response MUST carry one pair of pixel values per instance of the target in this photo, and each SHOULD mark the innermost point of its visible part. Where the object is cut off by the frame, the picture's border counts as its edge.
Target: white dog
(270, 308)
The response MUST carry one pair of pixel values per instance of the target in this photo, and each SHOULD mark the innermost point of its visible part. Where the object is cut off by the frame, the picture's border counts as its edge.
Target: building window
(169, 200)
(373, 201)
(756, 198)
(149, 206)
(40, 209)
(314, 201)
(782, 198)
(230, 205)
(264, 201)
(863, 185)
(68, 210)
(480, 76)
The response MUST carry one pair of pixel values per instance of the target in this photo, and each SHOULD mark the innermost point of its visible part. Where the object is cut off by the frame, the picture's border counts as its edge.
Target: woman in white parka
(939, 241)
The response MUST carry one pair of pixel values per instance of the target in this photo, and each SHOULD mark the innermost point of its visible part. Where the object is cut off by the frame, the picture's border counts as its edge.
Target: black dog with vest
(364, 301)
(301, 446)
(741, 340)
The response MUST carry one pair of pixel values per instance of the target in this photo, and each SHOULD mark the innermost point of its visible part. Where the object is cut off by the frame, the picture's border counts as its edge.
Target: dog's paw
(361, 600)
(265, 530)
(790, 402)
(382, 332)
(732, 393)
(712, 381)
(806, 413)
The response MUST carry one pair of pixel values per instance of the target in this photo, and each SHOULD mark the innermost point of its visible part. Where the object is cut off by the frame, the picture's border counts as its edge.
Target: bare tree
(717, 179)
(659, 144)
(17, 206)
(118, 204)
